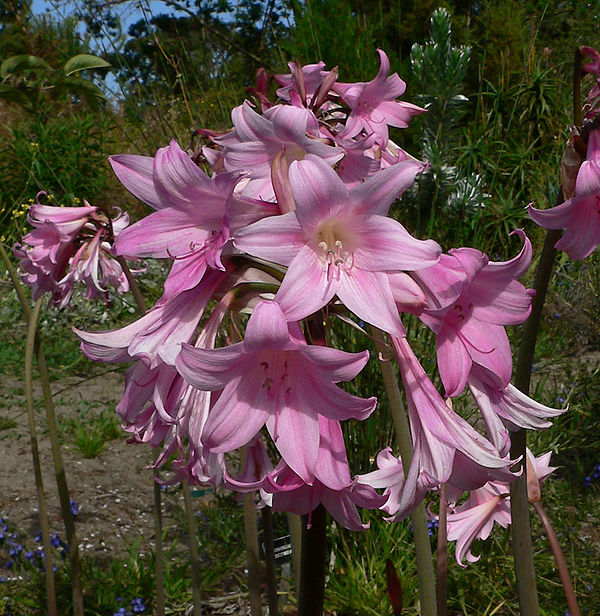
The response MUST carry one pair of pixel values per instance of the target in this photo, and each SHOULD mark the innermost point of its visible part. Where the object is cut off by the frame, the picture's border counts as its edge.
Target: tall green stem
(194, 560)
(37, 468)
(427, 592)
(59, 467)
(441, 580)
(159, 600)
(159, 561)
(520, 525)
(251, 533)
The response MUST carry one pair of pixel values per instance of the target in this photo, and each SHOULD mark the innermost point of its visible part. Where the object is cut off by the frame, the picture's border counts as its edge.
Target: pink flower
(579, 216)
(158, 406)
(340, 242)
(443, 443)
(70, 245)
(300, 86)
(475, 518)
(469, 326)
(256, 139)
(373, 105)
(507, 408)
(332, 486)
(157, 336)
(275, 378)
(196, 214)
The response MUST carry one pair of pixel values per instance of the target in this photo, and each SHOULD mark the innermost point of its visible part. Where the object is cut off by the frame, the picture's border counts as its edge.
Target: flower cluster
(290, 225)
(137, 607)
(70, 245)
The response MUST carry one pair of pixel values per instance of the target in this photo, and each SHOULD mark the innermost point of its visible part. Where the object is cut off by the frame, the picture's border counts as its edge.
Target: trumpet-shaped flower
(579, 216)
(340, 242)
(196, 214)
(256, 139)
(332, 486)
(273, 377)
(157, 336)
(469, 329)
(442, 442)
(69, 245)
(373, 105)
(506, 408)
(475, 518)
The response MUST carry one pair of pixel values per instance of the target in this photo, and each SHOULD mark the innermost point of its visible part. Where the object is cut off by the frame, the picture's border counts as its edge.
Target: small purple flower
(74, 507)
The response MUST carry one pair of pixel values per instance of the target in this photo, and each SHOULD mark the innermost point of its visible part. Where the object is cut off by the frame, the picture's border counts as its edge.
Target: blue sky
(128, 11)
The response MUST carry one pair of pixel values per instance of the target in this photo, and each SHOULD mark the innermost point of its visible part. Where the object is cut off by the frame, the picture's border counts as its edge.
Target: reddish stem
(561, 564)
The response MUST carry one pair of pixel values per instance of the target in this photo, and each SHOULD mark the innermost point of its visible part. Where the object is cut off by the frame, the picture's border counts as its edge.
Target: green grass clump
(91, 430)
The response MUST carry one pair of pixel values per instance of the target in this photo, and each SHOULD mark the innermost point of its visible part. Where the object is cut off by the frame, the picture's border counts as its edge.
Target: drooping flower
(340, 242)
(275, 378)
(373, 105)
(332, 486)
(475, 518)
(469, 326)
(579, 216)
(442, 443)
(70, 245)
(507, 408)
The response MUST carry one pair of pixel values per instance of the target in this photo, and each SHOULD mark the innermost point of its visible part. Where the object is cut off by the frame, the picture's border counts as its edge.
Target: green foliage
(65, 157)
(28, 80)
(91, 429)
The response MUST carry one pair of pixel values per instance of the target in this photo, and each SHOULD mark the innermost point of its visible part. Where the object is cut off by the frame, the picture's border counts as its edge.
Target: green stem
(159, 600)
(312, 574)
(441, 581)
(295, 526)
(159, 562)
(520, 527)
(59, 467)
(251, 533)
(561, 564)
(37, 468)
(62, 485)
(427, 592)
(194, 560)
(267, 524)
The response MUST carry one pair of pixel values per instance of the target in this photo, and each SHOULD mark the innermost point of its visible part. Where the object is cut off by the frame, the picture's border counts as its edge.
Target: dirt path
(113, 490)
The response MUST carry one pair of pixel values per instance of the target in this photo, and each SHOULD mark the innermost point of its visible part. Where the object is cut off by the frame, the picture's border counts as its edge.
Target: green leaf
(23, 62)
(85, 88)
(15, 95)
(82, 62)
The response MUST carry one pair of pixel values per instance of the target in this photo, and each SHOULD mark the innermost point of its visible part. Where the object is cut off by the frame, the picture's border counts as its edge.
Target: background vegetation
(496, 79)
